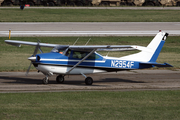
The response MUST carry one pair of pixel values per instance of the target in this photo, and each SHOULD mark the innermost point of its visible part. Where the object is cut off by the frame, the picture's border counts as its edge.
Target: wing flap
(117, 49)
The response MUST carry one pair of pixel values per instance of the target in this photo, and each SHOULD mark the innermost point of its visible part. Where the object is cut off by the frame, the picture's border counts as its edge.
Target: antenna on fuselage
(76, 41)
(87, 41)
(107, 54)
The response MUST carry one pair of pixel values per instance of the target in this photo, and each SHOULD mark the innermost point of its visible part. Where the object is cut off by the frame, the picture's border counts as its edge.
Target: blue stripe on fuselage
(156, 53)
(59, 59)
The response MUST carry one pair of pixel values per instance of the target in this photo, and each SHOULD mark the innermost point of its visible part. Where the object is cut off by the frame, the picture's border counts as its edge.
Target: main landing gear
(60, 79)
(89, 81)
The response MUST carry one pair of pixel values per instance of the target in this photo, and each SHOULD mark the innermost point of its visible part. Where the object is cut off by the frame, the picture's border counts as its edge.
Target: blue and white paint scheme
(84, 59)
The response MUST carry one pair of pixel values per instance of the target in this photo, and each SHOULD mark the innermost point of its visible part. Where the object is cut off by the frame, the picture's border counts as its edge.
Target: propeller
(33, 58)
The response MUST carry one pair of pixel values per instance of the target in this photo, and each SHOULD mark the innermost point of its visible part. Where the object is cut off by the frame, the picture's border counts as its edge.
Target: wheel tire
(178, 4)
(51, 4)
(150, 4)
(60, 79)
(31, 3)
(123, 4)
(89, 81)
(9, 4)
(45, 80)
(72, 4)
(130, 4)
(79, 4)
(105, 4)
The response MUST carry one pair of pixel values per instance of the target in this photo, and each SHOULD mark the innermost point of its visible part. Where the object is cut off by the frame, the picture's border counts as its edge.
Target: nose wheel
(45, 80)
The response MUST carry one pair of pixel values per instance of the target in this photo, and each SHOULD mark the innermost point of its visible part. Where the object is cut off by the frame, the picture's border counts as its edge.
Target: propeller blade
(36, 49)
(28, 69)
(35, 52)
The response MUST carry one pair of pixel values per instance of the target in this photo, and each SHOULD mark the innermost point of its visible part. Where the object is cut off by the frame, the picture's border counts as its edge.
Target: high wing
(18, 43)
(76, 47)
(103, 47)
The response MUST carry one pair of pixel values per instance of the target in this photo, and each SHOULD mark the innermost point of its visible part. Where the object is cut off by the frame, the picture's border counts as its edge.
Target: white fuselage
(65, 69)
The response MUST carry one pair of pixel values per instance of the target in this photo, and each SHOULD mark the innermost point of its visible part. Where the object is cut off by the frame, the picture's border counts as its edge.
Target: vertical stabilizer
(151, 52)
(156, 45)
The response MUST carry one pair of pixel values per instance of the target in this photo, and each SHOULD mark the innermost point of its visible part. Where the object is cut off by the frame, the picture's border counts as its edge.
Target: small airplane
(83, 59)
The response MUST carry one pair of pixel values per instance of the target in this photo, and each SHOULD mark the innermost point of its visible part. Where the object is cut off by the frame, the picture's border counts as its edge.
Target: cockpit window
(93, 56)
(75, 54)
(68, 53)
(57, 50)
(81, 55)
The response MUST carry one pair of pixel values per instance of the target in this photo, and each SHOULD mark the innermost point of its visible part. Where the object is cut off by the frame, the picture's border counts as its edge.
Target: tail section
(151, 52)
(156, 45)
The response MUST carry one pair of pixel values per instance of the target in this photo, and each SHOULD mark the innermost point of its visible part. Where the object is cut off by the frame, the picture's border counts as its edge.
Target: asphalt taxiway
(121, 81)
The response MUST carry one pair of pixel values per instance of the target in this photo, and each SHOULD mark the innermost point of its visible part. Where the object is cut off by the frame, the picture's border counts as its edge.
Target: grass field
(15, 59)
(88, 15)
(129, 105)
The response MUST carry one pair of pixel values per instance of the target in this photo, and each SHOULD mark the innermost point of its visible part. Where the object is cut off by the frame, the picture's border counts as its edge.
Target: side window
(93, 56)
(75, 55)
(68, 53)
(79, 55)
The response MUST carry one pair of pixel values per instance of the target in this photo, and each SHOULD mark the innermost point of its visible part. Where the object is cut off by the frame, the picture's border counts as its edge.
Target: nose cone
(32, 58)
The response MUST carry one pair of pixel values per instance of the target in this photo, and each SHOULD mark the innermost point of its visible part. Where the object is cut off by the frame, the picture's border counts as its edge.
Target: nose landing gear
(45, 80)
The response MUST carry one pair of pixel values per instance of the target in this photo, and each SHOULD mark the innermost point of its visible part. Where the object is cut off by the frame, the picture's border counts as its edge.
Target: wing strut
(81, 61)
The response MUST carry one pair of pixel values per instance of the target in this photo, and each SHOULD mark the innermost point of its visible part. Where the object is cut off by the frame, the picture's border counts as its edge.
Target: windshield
(59, 49)
(54, 50)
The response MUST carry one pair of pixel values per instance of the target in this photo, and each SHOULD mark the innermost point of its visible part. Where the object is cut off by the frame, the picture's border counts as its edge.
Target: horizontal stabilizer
(157, 64)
